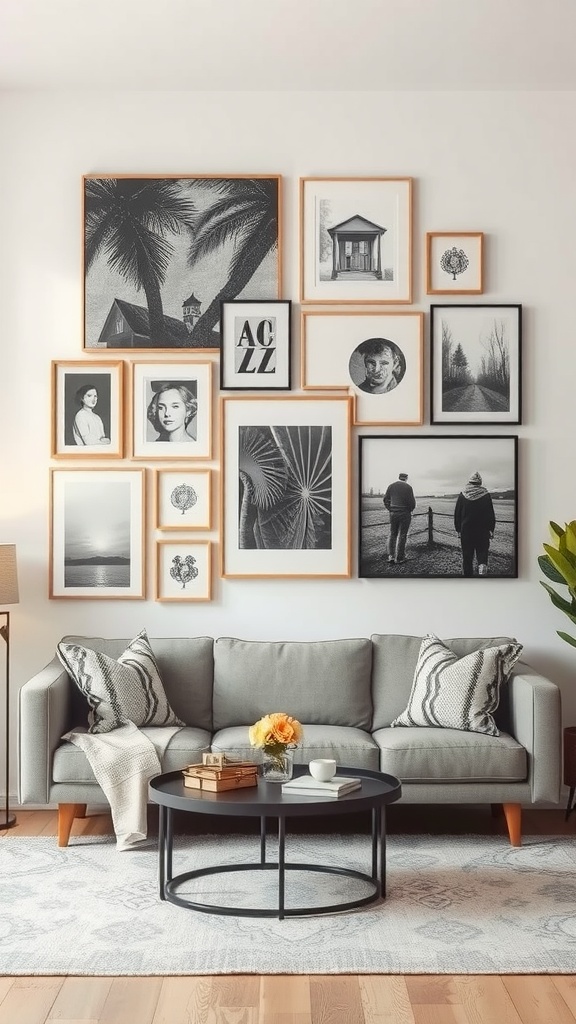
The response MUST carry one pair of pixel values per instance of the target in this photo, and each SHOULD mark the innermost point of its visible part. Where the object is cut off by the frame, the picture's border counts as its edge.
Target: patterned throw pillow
(127, 690)
(458, 693)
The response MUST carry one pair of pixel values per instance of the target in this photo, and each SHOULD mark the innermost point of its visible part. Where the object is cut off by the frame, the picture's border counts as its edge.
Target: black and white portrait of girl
(87, 409)
(172, 408)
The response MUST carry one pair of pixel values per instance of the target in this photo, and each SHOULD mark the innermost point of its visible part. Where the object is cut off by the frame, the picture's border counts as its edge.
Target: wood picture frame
(171, 410)
(183, 499)
(160, 251)
(256, 345)
(183, 570)
(377, 357)
(476, 364)
(454, 262)
(97, 534)
(87, 410)
(356, 240)
(438, 506)
(285, 493)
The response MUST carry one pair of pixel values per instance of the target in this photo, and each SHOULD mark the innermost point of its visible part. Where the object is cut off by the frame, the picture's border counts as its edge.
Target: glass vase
(277, 765)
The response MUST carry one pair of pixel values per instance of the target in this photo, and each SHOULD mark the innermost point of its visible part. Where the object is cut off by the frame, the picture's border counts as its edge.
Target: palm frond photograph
(285, 505)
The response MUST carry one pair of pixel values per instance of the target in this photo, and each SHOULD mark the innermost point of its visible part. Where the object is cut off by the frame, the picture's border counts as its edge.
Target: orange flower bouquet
(276, 735)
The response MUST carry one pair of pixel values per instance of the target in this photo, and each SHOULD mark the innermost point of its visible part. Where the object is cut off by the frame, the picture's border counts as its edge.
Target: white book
(306, 785)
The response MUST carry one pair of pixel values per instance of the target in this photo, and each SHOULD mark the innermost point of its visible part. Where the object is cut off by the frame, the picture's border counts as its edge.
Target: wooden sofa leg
(513, 815)
(66, 815)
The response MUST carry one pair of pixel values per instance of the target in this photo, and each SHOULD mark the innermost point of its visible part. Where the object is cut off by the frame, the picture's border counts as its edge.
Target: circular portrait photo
(377, 366)
(171, 410)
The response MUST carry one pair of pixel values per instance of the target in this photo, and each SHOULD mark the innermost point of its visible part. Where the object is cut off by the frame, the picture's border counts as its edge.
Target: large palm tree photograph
(160, 254)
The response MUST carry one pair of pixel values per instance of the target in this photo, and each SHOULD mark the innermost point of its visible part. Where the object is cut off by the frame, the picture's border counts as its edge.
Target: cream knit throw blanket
(123, 762)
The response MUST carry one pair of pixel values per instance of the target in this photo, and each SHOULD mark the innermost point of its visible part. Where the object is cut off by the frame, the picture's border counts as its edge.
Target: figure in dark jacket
(400, 502)
(474, 521)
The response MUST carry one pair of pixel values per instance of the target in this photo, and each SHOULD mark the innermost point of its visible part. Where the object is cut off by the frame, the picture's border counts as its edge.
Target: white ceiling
(287, 44)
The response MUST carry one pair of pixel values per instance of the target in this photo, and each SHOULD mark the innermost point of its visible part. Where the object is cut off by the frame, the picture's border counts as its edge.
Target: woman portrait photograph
(171, 410)
(86, 410)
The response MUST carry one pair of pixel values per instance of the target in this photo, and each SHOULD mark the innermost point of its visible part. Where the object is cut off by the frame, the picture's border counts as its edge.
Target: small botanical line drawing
(183, 497)
(183, 569)
(454, 261)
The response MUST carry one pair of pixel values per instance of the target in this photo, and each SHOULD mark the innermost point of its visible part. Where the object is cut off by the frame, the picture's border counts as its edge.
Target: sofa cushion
(394, 663)
(185, 747)
(450, 755)
(126, 689)
(186, 666)
(322, 682)
(351, 748)
(458, 693)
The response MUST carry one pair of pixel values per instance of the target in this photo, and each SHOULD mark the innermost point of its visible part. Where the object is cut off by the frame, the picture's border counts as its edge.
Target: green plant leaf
(571, 537)
(565, 550)
(555, 531)
(562, 564)
(569, 639)
(559, 602)
(549, 570)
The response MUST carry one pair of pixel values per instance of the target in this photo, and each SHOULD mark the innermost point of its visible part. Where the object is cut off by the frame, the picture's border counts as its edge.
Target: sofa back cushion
(321, 682)
(394, 663)
(186, 666)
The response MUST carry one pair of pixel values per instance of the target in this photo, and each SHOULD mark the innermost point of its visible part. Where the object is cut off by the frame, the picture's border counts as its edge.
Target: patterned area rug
(456, 905)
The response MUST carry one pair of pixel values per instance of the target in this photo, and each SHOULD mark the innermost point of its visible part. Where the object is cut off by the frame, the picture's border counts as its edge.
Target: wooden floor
(278, 999)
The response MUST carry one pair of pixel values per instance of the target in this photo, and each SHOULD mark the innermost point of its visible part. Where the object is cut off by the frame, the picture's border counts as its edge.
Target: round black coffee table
(268, 801)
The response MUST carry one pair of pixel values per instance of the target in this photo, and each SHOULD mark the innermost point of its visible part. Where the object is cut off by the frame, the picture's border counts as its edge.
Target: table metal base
(169, 883)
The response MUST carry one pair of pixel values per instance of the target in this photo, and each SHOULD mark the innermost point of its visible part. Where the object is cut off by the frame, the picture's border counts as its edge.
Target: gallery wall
(500, 163)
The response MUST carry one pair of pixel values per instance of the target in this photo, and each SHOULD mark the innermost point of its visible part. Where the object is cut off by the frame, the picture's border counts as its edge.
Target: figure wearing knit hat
(474, 522)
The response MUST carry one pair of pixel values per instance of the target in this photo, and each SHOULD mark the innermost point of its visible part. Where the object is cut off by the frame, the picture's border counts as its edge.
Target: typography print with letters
(255, 345)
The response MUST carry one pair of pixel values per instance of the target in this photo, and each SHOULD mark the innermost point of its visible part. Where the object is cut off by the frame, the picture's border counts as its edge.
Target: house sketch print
(475, 364)
(285, 487)
(161, 253)
(352, 249)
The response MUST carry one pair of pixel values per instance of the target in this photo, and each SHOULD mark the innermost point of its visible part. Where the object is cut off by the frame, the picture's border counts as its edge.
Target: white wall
(501, 163)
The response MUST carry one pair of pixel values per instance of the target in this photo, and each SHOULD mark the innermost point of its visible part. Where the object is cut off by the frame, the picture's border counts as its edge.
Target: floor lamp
(8, 595)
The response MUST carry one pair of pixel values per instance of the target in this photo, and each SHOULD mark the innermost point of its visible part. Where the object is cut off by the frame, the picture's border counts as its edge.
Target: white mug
(322, 769)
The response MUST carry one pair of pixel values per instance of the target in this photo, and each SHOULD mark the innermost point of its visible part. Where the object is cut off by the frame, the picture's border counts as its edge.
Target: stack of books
(306, 785)
(218, 778)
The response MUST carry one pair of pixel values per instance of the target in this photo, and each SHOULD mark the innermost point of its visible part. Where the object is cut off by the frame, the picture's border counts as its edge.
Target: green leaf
(565, 550)
(562, 564)
(549, 570)
(565, 606)
(555, 531)
(569, 639)
(571, 537)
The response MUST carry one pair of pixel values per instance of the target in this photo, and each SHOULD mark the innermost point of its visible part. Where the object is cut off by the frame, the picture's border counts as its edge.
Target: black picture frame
(256, 352)
(438, 468)
(476, 364)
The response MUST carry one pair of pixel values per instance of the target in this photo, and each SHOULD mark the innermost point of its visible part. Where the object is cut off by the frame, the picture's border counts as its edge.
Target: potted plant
(559, 565)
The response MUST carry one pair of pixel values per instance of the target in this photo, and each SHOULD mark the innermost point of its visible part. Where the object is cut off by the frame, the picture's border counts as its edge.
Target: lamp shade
(8, 575)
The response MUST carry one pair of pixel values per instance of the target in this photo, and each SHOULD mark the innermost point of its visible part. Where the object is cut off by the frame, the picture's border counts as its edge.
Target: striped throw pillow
(458, 693)
(127, 690)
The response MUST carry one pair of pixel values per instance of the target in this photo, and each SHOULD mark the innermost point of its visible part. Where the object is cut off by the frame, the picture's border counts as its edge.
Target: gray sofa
(345, 693)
